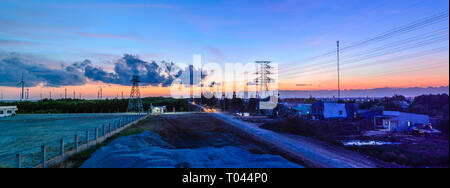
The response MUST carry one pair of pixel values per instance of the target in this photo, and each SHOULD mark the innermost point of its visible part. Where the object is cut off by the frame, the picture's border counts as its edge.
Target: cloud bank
(13, 66)
(150, 73)
(78, 73)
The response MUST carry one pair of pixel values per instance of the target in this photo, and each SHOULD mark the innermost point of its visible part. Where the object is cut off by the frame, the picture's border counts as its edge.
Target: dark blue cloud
(12, 67)
(150, 73)
(78, 73)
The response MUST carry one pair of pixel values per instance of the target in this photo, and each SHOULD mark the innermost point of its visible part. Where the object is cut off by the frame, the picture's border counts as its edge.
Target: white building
(8, 111)
(158, 109)
(334, 110)
(402, 121)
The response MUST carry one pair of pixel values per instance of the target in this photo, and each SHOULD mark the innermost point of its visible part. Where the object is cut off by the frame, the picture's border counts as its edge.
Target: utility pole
(74, 96)
(338, 72)
(246, 85)
(65, 93)
(50, 94)
(191, 81)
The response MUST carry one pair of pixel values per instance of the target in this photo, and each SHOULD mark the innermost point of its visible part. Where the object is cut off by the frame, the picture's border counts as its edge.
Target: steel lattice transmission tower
(263, 78)
(135, 101)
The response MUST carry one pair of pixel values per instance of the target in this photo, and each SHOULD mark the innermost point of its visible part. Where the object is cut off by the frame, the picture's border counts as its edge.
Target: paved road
(313, 152)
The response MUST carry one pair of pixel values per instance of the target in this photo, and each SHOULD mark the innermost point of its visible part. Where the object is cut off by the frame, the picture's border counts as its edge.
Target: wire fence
(55, 151)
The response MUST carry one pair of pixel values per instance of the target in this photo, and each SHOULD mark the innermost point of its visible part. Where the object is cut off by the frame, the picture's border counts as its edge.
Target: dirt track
(194, 130)
(313, 153)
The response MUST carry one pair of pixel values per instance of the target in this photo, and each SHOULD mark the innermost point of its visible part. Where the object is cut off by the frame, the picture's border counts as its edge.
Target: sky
(48, 41)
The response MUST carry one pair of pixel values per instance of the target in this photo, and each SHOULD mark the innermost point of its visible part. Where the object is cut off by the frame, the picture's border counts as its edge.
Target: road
(312, 152)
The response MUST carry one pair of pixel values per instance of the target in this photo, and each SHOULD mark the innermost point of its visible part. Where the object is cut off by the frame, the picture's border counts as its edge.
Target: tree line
(92, 106)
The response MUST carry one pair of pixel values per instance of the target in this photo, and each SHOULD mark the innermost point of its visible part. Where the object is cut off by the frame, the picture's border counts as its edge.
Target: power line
(389, 34)
(434, 34)
(403, 57)
(385, 50)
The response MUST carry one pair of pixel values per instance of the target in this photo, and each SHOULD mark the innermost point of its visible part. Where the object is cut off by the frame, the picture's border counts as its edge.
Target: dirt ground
(194, 130)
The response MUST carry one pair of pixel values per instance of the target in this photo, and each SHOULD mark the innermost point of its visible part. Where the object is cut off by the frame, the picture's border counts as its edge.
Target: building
(401, 121)
(304, 110)
(8, 111)
(328, 110)
(158, 109)
(352, 110)
(334, 111)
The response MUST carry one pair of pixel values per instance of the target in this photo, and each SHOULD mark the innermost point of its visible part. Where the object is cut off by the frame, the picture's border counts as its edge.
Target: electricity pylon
(263, 78)
(135, 101)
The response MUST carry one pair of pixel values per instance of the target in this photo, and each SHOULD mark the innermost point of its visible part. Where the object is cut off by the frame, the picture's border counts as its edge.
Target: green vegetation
(93, 106)
(433, 105)
(430, 154)
(319, 129)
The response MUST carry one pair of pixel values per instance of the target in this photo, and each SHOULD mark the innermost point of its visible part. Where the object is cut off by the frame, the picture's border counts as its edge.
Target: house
(401, 121)
(352, 110)
(317, 110)
(334, 110)
(158, 109)
(304, 109)
(328, 110)
(368, 114)
(8, 111)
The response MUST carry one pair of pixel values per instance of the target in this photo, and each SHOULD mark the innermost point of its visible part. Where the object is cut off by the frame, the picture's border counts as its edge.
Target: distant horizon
(347, 93)
(99, 45)
(374, 92)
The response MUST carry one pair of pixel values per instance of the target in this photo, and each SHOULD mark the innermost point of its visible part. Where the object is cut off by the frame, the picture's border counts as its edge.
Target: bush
(291, 125)
(443, 127)
(302, 127)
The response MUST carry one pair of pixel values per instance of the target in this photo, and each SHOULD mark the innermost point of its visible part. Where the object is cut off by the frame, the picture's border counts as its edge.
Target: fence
(50, 155)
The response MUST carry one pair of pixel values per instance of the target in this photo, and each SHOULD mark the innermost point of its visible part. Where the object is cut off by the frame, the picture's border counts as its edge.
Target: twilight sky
(49, 40)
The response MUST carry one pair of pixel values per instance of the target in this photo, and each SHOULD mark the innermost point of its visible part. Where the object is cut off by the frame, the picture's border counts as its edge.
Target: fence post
(96, 134)
(109, 128)
(87, 138)
(76, 142)
(43, 156)
(18, 161)
(61, 149)
(104, 131)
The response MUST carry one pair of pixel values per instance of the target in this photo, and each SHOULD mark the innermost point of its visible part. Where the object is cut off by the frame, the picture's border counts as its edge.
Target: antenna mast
(338, 72)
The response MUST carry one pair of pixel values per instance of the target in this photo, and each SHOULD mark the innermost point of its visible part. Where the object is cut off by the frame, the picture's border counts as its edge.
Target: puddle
(367, 143)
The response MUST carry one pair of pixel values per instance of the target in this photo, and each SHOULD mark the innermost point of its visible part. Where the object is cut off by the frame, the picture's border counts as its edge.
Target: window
(340, 112)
